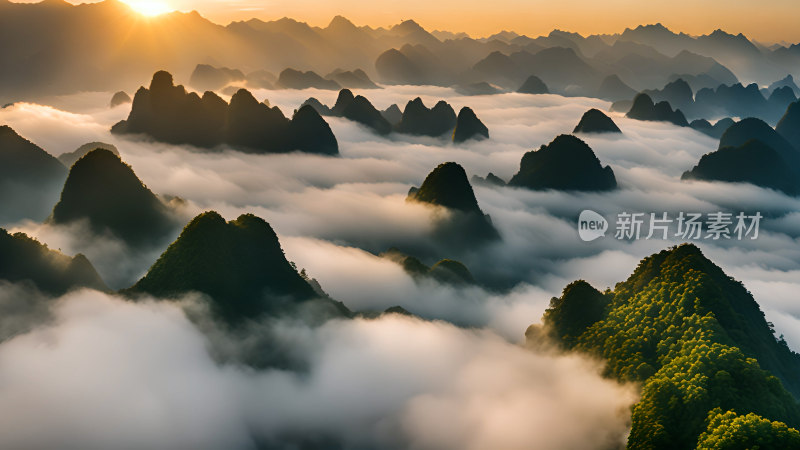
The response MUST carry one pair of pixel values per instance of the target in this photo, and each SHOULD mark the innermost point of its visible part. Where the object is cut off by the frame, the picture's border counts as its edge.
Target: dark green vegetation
(468, 126)
(697, 342)
(754, 162)
(447, 186)
(169, 114)
(23, 258)
(30, 178)
(644, 109)
(446, 271)
(594, 121)
(105, 191)
(567, 163)
(533, 85)
(239, 264)
(789, 126)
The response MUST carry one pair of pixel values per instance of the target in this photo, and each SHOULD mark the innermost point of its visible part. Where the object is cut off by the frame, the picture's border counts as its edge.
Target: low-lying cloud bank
(107, 373)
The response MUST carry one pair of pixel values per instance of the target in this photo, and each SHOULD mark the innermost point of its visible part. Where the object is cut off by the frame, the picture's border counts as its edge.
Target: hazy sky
(766, 20)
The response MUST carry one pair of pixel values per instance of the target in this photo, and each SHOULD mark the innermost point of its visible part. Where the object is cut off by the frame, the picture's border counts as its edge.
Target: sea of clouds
(91, 365)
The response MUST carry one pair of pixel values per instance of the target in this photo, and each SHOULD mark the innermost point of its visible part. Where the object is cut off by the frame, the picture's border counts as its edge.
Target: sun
(149, 8)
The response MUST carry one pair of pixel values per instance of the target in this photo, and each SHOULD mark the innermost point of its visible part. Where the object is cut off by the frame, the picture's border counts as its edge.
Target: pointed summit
(594, 121)
(23, 258)
(567, 163)
(448, 186)
(644, 109)
(29, 178)
(468, 126)
(533, 85)
(105, 191)
(419, 120)
(239, 264)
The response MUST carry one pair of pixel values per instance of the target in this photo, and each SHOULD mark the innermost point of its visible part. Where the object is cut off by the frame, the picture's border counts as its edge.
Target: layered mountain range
(64, 48)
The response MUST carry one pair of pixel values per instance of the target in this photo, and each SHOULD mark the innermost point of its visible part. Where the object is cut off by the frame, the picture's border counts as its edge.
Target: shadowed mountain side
(446, 271)
(594, 121)
(447, 186)
(533, 85)
(30, 178)
(296, 79)
(613, 89)
(694, 338)
(23, 258)
(209, 78)
(169, 114)
(419, 120)
(104, 191)
(567, 163)
(68, 159)
(789, 125)
(356, 79)
(754, 162)
(751, 128)
(119, 98)
(716, 131)
(468, 126)
(644, 109)
(490, 180)
(239, 264)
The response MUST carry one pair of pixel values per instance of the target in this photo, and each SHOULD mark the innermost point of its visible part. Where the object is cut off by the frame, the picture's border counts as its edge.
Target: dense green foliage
(694, 337)
(105, 191)
(567, 163)
(239, 264)
(169, 113)
(468, 126)
(730, 431)
(594, 121)
(754, 162)
(23, 258)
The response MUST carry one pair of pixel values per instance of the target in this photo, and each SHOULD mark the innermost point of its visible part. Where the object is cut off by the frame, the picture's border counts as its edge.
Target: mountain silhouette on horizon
(595, 121)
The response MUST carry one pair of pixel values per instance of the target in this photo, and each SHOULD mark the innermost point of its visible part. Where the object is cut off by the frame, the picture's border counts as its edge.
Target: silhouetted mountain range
(612, 88)
(105, 192)
(716, 131)
(567, 163)
(789, 125)
(170, 114)
(30, 178)
(419, 120)
(88, 47)
(296, 79)
(595, 121)
(239, 264)
(23, 258)
(644, 109)
(209, 78)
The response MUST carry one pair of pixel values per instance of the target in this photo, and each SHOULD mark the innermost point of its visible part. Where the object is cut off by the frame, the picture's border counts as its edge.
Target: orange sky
(765, 20)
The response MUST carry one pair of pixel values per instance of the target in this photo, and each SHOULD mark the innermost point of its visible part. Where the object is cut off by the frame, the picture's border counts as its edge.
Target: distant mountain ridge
(95, 36)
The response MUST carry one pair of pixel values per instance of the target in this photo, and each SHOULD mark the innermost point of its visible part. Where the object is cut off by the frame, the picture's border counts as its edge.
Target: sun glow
(149, 7)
